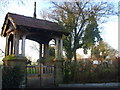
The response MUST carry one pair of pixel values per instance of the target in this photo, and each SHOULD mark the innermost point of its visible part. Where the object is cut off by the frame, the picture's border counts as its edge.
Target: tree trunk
(75, 57)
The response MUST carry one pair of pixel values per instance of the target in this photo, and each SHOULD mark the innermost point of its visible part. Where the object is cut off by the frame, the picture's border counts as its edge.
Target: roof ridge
(30, 17)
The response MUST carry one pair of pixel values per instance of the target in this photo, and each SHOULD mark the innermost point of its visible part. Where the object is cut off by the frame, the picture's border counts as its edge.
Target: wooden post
(46, 47)
(61, 47)
(12, 46)
(40, 51)
(44, 50)
(9, 47)
(6, 48)
(23, 45)
(56, 48)
(16, 45)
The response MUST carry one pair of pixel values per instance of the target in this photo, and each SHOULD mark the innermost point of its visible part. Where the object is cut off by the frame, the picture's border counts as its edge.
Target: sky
(109, 32)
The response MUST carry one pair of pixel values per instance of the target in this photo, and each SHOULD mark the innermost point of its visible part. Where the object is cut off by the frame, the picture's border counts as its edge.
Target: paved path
(92, 85)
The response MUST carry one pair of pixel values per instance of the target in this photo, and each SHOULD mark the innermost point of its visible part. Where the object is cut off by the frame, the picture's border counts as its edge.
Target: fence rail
(40, 69)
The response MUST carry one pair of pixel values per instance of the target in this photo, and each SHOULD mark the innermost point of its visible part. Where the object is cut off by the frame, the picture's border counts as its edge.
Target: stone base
(11, 61)
(14, 62)
(58, 72)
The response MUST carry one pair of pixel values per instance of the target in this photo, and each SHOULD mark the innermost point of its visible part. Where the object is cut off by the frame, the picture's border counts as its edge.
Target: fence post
(41, 72)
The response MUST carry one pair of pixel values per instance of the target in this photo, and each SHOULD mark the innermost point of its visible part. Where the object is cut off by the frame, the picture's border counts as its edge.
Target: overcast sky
(109, 32)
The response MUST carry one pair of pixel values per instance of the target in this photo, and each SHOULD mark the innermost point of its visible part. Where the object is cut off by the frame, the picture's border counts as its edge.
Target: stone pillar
(58, 62)
(58, 72)
(58, 48)
(14, 65)
(23, 45)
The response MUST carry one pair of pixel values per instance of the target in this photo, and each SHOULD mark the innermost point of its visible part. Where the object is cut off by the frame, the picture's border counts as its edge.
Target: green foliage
(51, 51)
(67, 73)
(48, 60)
(68, 47)
(81, 20)
(86, 72)
(12, 77)
(102, 50)
(92, 34)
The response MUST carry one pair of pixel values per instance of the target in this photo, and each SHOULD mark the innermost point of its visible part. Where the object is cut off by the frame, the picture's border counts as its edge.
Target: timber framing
(18, 27)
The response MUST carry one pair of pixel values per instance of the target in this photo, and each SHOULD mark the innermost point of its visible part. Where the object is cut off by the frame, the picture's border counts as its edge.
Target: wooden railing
(48, 69)
(40, 69)
(33, 69)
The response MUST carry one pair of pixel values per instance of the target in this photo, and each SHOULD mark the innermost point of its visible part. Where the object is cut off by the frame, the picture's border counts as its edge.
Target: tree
(102, 50)
(81, 20)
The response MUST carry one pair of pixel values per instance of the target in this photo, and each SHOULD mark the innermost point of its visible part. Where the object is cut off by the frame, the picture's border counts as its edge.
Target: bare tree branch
(2, 51)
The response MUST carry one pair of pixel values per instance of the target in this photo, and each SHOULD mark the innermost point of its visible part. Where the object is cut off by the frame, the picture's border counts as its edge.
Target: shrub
(84, 72)
(48, 60)
(67, 73)
(11, 77)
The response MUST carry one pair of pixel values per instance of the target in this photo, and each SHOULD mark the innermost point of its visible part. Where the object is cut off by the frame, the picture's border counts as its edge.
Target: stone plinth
(12, 61)
(58, 72)
(17, 66)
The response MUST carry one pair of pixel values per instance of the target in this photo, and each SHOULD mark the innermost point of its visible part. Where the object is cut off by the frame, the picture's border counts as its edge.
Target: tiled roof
(34, 23)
